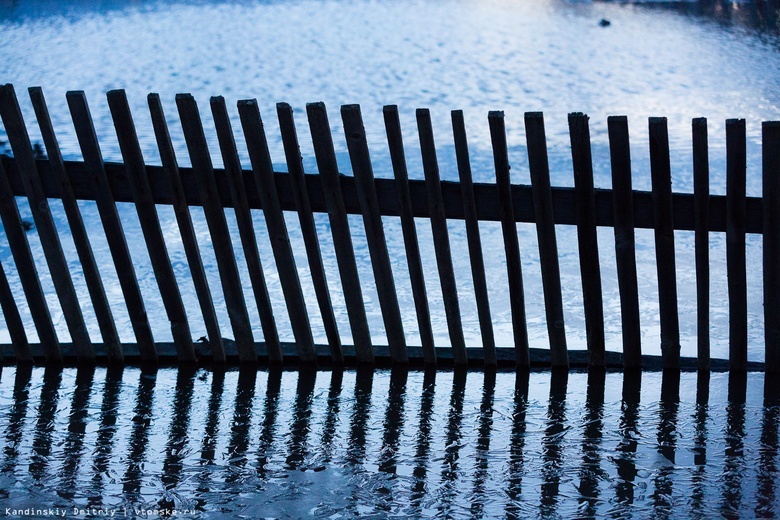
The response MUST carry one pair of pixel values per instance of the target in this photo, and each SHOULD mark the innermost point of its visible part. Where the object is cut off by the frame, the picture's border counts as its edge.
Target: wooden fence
(213, 189)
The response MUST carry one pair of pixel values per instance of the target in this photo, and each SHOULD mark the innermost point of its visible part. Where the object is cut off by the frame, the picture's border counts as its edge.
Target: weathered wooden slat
(511, 243)
(115, 235)
(13, 321)
(545, 231)
(218, 229)
(474, 241)
(308, 228)
(660, 171)
(587, 237)
(339, 225)
(186, 229)
(150, 224)
(357, 145)
(246, 227)
(97, 293)
(409, 230)
(736, 171)
(28, 274)
(441, 237)
(277, 227)
(13, 121)
(701, 201)
(625, 251)
(485, 196)
(770, 132)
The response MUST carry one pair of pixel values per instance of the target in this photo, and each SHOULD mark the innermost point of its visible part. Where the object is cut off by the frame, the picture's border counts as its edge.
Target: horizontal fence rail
(26, 174)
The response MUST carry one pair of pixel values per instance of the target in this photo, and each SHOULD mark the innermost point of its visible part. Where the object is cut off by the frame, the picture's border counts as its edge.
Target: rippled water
(712, 59)
(251, 444)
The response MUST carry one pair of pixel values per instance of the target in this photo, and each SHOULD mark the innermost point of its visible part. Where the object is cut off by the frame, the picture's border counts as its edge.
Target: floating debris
(38, 152)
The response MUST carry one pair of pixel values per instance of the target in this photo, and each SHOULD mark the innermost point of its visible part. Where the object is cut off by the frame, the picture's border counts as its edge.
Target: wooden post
(736, 169)
(475, 244)
(355, 135)
(150, 225)
(186, 229)
(277, 228)
(115, 235)
(13, 321)
(771, 191)
(625, 251)
(411, 244)
(441, 238)
(664, 242)
(545, 230)
(308, 228)
(215, 218)
(246, 229)
(511, 245)
(339, 225)
(587, 238)
(701, 209)
(39, 206)
(97, 293)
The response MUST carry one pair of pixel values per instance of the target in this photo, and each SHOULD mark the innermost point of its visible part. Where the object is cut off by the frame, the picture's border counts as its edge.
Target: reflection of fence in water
(338, 196)
(412, 443)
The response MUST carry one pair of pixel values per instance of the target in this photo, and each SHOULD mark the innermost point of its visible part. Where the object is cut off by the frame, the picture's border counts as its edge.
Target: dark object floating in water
(27, 225)
(38, 152)
(605, 23)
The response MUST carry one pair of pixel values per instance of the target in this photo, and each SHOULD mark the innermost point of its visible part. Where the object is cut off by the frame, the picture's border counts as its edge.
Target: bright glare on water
(680, 60)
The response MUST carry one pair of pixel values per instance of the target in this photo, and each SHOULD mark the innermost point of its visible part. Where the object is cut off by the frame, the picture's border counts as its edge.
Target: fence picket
(277, 228)
(309, 229)
(215, 218)
(736, 266)
(587, 238)
(545, 231)
(150, 225)
(660, 171)
(511, 242)
(409, 229)
(375, 234)
(770, 133)
(39, 207)
(97, 293)
(186, 229)
(13, 320)
(246, 229)
(342, 238)
(441, 238)
(112, 225)
(701, 208)
(625, 250)
(474, 241)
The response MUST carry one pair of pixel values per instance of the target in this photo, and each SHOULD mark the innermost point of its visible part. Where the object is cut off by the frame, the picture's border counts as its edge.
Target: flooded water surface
(680, 60)
(257, 444)
(273, 444)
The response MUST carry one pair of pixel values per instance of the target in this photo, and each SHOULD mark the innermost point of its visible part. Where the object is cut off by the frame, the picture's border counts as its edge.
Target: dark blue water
(258, 444)
(680, 60)
(249, 444)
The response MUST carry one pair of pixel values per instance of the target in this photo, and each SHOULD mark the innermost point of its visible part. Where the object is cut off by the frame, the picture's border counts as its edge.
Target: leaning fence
(202, 185)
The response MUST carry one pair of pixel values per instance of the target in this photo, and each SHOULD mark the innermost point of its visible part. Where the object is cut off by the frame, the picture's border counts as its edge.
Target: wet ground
(379, 444)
